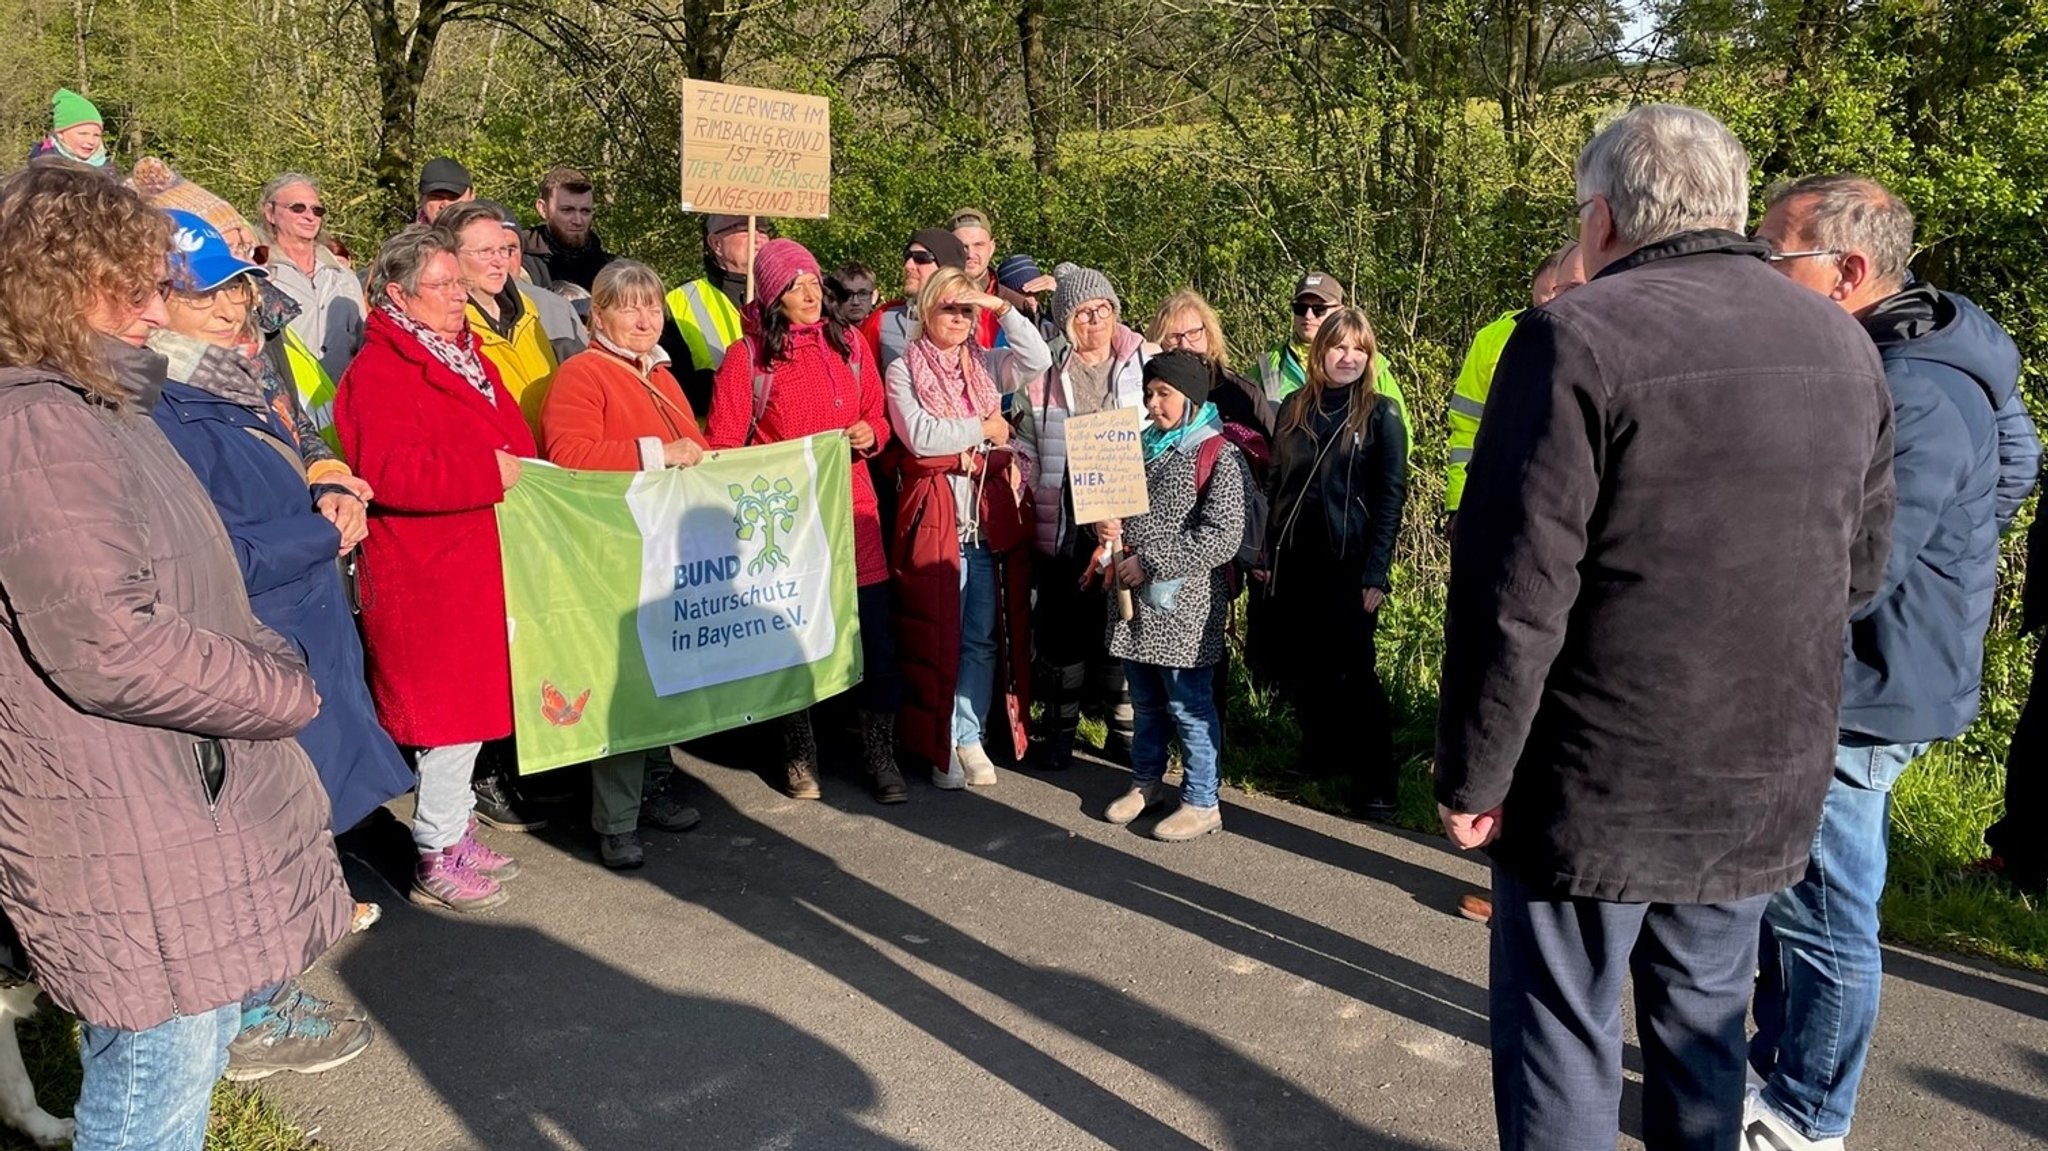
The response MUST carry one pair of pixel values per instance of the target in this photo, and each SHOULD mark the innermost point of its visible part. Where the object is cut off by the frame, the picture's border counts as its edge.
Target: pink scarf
(951, 385)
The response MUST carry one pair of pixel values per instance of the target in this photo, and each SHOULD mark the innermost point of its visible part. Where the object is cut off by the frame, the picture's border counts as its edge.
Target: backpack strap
(1205, 461)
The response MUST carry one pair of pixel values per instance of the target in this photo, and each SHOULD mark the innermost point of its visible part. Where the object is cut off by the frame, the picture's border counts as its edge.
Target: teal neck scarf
(1157, 442)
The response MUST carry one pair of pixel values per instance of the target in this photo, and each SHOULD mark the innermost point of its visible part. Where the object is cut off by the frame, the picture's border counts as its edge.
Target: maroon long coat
(432, 589)
(924, 558)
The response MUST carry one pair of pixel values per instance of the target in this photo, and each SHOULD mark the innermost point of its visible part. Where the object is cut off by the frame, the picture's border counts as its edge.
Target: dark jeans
(1321, 644)
(881, 685)
(2018, 838)
(1558, 968)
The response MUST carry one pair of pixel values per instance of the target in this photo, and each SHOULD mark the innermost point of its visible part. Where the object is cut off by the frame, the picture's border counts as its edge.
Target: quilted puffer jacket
(164, 844)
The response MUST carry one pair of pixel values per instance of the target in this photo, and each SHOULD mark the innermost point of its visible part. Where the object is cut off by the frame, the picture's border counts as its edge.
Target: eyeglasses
(919, 256)
(861, 294)
(319, 210)
(1176, 339)
(508, 252)
(237, 296)
(1781, 257)
(445, 286)
(1307, 308)
(1098, 314)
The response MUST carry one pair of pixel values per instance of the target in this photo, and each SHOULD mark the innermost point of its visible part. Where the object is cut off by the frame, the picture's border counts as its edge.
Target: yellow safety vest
(708, 321)
(1468, 401)
(316, 388)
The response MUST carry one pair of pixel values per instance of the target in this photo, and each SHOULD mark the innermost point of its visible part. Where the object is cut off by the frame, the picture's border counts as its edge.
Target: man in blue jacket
(1964, 457)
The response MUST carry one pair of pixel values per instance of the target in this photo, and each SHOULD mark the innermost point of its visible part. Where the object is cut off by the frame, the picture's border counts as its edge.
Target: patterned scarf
(951, 385)
(458, 355)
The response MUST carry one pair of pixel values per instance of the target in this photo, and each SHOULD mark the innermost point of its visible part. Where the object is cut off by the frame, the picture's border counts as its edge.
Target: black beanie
(1184, 372)
(951, 253)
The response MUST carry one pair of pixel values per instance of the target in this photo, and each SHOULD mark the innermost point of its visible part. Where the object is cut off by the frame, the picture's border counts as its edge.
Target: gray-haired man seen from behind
(1682, 485)
(1965, 455)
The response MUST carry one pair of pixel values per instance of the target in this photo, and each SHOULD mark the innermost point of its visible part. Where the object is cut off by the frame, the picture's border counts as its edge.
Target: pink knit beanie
(777, 265)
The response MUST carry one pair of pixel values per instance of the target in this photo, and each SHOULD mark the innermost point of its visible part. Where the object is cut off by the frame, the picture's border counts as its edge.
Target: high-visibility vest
(1468, 401)
(1281, 374)
(708, 321)
(315, 386)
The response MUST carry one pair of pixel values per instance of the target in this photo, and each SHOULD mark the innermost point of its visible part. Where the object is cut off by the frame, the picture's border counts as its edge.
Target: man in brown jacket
(164, 844)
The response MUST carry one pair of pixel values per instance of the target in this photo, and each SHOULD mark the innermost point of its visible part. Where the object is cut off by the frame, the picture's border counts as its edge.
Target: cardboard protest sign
(756, 152)
(1106, 465)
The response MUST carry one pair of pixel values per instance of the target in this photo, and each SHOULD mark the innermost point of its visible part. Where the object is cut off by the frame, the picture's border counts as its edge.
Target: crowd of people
(1725, 510)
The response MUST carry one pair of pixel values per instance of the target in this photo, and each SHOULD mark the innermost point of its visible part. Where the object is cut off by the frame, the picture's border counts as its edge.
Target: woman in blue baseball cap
(293, 513)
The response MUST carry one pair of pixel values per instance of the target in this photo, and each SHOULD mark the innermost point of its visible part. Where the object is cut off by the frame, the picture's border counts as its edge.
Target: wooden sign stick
(750, 259)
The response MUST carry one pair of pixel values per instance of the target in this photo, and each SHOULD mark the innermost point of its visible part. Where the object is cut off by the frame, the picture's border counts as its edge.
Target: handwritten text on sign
(756, 152)
(1106, 465)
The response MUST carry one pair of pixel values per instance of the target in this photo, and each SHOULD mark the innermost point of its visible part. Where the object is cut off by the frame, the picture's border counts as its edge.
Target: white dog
(18, 1107)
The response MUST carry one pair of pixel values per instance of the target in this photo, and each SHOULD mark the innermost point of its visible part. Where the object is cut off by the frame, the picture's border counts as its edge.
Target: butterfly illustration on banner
(556, 708)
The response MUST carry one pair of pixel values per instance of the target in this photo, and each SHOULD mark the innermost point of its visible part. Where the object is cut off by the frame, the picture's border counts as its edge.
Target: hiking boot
(951, 777)
(296, 1031)
(800, 758)
(1477, 908)
(482, 860)
(1189, 823)
(443, 880)
(294, 997)
(975, 764)
(621, 852)
(496, 806)
(878, 754)
(1131, 804)
(665, 812)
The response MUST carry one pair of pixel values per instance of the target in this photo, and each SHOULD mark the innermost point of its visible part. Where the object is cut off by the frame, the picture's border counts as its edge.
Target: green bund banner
(650, 607)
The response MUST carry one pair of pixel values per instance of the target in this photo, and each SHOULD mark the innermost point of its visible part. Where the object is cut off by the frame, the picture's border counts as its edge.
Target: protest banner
(1106, 465)
(645, 608)
(756, 151)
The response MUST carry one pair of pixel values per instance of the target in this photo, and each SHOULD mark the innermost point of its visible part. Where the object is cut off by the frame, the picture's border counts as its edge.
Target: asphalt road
(1001, 969)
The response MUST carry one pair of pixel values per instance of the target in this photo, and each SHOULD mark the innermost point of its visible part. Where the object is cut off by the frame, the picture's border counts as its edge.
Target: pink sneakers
(482, 860)
(445, 879)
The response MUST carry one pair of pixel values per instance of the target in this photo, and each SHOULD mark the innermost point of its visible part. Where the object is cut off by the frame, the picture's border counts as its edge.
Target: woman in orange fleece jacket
(615, 407)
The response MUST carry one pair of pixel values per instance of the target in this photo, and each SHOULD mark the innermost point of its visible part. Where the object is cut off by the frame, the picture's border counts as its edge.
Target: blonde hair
(71, 240)
(1185, 301)
(622, 283)
(1341, 326)
(943, 285)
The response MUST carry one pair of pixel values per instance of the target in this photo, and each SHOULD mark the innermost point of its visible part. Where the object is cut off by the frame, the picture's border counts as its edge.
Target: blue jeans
(1816, 1000)
(151, 1090)
(1167, 699)
(977, 644)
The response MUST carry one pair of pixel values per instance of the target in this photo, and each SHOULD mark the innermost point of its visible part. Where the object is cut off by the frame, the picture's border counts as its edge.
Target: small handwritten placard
(1106, 465)
(756, 151)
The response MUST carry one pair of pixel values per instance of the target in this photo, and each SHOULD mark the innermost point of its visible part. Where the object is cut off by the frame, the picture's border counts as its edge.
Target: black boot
(878, 752)
(1062, 716)
(1117, 714)
(499, 805)
(800, 757)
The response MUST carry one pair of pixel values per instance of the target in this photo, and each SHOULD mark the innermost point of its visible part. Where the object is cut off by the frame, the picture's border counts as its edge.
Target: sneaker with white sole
(1132, 804)
(951, 777)
(1763, 1129)
(980, 769)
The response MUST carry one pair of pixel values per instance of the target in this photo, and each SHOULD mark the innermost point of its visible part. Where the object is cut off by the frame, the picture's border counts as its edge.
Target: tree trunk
(403, 56)
(1044, 124)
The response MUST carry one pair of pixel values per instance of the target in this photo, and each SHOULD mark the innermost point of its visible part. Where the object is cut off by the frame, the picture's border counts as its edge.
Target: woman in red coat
(615, 407)
(820, 379)
(426, 421)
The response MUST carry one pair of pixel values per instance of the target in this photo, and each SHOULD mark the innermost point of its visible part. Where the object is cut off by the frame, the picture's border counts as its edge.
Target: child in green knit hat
(76, 130)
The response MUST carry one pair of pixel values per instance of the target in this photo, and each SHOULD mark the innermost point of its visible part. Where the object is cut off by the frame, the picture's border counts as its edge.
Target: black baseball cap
(442, 174)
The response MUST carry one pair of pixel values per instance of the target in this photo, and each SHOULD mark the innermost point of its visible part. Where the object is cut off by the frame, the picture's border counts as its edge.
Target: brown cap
(968, 218)
(1321, 286)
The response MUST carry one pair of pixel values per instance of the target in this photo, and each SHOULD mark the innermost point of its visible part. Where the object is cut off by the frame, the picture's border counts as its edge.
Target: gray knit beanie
(1077, 286)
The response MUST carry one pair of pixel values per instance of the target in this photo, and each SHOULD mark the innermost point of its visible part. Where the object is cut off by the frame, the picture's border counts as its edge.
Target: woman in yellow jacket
(507, 329)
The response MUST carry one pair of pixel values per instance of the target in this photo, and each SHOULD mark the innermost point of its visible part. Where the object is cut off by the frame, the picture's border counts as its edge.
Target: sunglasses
(319, 210)
(1303, 308)
(920, 256)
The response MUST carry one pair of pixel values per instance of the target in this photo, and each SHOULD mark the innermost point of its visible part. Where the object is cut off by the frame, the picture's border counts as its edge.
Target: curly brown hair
(69, 239)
